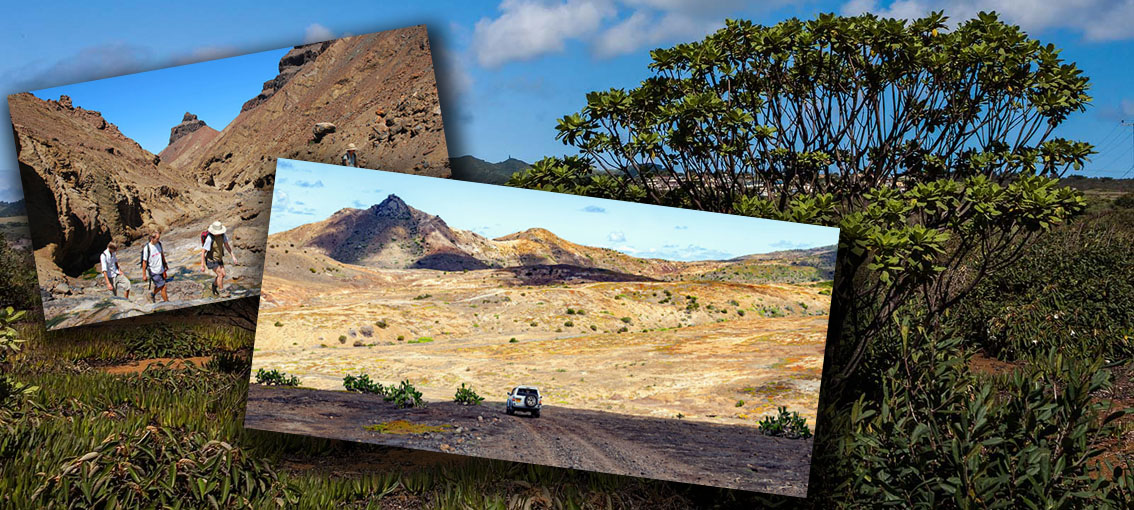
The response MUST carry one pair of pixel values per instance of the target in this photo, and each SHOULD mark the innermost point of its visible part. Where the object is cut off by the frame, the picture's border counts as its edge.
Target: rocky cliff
(86, 183)
(187, 141)
(379, 92)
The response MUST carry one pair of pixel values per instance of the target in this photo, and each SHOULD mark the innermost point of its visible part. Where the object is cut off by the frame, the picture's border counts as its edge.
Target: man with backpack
(111, 273)
(214, 242)
(154, 266)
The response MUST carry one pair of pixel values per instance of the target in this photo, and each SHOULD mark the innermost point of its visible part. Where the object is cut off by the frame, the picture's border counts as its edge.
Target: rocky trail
(86, 300)
(729, 456)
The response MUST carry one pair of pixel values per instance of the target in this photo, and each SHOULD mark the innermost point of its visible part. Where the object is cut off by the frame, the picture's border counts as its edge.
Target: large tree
(931, 148)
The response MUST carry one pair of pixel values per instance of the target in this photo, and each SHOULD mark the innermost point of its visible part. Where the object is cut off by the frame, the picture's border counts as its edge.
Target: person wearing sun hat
(351, 156)
(213, 246)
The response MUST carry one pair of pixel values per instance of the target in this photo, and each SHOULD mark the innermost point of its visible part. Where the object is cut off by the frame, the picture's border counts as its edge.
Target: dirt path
(669, 449)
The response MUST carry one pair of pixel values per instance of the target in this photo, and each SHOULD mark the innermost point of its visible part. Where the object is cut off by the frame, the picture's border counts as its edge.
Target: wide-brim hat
(351, 147)
(217, 228)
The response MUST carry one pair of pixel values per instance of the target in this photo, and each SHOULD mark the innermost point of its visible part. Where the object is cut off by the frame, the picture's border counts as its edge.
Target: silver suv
(524, 398)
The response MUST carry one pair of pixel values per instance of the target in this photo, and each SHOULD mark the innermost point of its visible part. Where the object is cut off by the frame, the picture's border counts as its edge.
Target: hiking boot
(153, 298)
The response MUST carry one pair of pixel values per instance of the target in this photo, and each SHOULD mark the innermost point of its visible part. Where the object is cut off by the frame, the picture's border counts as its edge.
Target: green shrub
(279, 324)
(404, 396)
(381, 324)
(274, 377)
(569, 324)
(785, 424)
(422, 340)
(512, 340)
(422, 296)
(467, 396)
(570, 311)
(939, 433)
(626, 320)
(363, 384)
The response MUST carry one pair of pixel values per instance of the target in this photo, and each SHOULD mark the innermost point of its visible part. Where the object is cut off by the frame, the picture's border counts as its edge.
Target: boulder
(322, 129)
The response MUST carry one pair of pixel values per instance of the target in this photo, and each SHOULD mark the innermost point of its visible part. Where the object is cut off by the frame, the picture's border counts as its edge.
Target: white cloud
(317, 33)
(617, 236)
(1096, 20)
(529, 28)
(526, 29)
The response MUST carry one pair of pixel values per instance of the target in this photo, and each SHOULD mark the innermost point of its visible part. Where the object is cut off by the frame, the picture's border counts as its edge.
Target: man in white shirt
(115, 281)
(154, 266)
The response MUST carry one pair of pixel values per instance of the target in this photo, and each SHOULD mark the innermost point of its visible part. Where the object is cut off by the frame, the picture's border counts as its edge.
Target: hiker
(351, 156)
(214, 242)
(154, 266)
(115, 280)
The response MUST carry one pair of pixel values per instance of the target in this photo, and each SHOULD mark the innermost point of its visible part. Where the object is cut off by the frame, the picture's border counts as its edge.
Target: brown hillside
(377, 89)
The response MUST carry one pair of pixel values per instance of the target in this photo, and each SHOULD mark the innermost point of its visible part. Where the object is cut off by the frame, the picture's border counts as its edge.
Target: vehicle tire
(530, 401)
(535, 414)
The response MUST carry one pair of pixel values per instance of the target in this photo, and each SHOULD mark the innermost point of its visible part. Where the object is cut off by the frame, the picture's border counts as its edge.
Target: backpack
(204, 235)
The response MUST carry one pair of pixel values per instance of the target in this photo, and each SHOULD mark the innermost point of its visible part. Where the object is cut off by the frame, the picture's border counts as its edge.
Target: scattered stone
(321, 130)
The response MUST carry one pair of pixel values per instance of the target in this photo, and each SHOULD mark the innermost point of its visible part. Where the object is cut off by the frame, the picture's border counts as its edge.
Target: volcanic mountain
(393, 235)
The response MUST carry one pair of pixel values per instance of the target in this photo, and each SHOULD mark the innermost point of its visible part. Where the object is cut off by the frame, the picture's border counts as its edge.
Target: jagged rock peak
(65, 101)
(189, 123)
(391, 206)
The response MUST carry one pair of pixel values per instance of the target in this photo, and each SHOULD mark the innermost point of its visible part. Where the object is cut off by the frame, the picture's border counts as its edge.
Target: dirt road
(729, 456)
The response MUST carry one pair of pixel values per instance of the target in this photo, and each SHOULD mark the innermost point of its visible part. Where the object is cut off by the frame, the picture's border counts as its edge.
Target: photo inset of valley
(660, 342)
(106, 164)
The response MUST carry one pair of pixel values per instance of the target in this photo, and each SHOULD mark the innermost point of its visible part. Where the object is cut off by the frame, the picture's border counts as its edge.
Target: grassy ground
(87, 438)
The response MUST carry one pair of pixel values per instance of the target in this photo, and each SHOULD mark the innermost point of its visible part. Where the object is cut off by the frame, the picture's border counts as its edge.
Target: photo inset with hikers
(624, 338)
(151, 191)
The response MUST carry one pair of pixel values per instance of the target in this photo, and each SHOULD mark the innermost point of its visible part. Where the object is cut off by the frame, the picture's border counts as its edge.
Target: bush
(626, 320)
(785, 424)
(512, 340)
(363, 384)
(467, 396)
(569, 324)
(381, 324)
(939, 433)
(279, 324)
(275, 378)
(342, 339)
(404, 396)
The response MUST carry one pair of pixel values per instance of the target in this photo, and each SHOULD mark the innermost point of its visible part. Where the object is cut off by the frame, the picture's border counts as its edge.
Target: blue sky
(309, 192)
(507, 69)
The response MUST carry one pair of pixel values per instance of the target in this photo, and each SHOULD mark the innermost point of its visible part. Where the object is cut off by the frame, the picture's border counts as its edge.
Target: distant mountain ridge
(394, 235)
(471, 168)
(17, 208)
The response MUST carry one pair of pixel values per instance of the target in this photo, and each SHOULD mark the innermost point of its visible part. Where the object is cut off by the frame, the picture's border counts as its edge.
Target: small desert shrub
(534, 324)
(311, 269)
(467, 396)
(512, 340)
(363, 384)
(740, 312)
(623, 329)
(401, 338)
(570, 311)
(274, 377)
(627, 320)
(423, 296)
(342, 339)
(422, 340)
(359, 343)
(594, 328)
(739, 403)
(789, 425)
(569, 324)
(404, 396)
(381, 324)
(279, 324)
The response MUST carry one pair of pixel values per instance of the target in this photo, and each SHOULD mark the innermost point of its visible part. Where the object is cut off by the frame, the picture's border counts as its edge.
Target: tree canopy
(931, 148)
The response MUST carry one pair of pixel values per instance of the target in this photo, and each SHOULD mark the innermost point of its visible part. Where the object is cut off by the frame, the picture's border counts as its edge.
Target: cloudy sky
(506, 69)
(308, 192)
